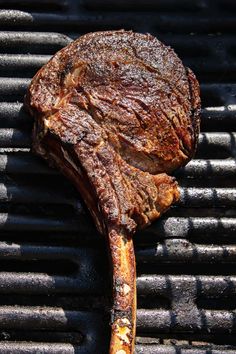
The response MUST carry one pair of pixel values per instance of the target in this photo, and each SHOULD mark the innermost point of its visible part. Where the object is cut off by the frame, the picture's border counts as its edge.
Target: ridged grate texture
(54, 281)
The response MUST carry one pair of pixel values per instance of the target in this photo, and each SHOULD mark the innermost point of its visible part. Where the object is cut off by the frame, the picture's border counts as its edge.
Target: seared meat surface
(115, 112)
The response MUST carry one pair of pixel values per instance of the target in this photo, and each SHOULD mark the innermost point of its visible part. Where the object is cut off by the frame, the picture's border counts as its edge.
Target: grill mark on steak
(174, 128)
(115, 111)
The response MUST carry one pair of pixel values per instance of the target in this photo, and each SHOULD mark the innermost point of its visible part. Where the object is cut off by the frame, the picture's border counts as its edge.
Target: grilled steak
(115, 112)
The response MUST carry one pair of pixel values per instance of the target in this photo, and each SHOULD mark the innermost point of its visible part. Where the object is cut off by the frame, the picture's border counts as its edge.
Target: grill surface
(54, 282)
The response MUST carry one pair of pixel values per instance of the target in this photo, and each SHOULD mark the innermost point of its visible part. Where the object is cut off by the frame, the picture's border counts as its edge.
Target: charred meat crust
(116, 111)
(133, 78)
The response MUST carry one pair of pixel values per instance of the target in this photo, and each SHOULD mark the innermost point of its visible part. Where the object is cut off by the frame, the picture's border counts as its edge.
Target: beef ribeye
(115, 112)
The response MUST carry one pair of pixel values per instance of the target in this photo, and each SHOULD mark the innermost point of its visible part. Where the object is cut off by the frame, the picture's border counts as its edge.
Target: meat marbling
(116, 111)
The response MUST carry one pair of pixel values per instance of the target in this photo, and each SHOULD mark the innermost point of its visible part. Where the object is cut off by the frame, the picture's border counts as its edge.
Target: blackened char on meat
(115, 112)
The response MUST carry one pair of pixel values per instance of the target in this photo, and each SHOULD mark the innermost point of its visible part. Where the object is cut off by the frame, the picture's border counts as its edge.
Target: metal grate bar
(182, 227)
(148, 321)
(85, 323)
(24, 163)
(45, 318)
(170, 227)
(171, 349)
(203, 197)
(204, 321)
(36, 194)
(55, 348)
(13, 89)
(219, 118)
(36, 348)
(21, 65)
(172, 251)
(39, 193)
(209, 168)
(148, 285)
(11, 137)
(12, 115)
(102, 20)
(204, 285)
(39, 283)
(31, 42)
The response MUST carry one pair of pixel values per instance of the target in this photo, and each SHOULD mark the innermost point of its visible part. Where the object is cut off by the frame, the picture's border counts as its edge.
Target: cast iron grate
(53, 280)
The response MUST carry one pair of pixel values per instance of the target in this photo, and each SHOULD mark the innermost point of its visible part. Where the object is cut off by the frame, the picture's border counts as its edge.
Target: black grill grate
(54, 278)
